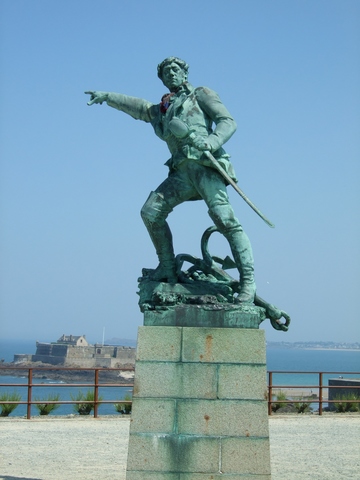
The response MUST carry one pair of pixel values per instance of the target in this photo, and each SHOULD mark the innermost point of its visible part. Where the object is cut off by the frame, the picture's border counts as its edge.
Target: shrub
(302, 407)
(85, 408)
(280, 397)
(7, 408)
(345, 403)
(124, 407)
(46, 408)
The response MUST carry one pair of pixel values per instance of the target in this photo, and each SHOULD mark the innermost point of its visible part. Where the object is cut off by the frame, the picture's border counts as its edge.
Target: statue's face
(173, 76)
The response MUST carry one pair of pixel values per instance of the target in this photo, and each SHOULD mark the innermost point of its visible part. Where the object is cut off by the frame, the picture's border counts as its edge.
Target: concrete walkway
(84, 448)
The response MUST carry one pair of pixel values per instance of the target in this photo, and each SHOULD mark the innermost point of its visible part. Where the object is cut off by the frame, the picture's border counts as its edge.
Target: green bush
(7, 408)
(345, 403)
(45, 408)
(85, 408)
(124, 407)
(302, 407)
(280, 397)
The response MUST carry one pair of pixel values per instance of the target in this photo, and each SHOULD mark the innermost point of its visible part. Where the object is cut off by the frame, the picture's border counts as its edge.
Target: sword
(181, 130)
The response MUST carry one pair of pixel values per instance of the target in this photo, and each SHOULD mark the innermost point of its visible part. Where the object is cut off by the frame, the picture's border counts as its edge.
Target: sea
(345, 363)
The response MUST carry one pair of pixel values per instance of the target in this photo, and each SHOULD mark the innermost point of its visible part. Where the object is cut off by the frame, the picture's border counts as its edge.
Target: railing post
(320, 393)
(270, 394)
(96, 392)
(29, 393)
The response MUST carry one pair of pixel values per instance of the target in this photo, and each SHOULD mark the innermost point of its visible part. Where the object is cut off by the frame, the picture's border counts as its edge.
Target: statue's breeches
(192, 181)
(155, 209)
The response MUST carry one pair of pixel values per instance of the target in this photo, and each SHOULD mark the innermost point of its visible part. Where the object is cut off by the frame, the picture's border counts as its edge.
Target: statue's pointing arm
(135, 107)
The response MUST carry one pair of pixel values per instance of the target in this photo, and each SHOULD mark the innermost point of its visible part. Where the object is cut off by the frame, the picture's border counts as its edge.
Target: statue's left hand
(97, 97)
(200, 143)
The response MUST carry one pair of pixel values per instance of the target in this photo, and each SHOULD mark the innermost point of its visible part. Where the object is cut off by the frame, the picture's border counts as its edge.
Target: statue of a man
(191, 174)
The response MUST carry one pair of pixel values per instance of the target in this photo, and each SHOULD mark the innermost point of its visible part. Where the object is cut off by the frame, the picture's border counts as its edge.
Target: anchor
(212, 269)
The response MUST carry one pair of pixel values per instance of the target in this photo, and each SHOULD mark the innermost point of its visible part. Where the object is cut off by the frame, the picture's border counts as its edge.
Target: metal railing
(95, 385)
(320, 387)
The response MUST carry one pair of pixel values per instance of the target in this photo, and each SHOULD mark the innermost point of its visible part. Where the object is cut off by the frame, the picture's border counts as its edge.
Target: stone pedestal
(200, 399)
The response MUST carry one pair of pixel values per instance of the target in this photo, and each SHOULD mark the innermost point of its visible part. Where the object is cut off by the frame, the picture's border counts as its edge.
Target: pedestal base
(199, 405)
(219, 316)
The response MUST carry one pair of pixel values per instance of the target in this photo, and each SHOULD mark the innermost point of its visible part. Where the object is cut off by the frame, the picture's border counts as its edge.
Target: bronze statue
(192, 175)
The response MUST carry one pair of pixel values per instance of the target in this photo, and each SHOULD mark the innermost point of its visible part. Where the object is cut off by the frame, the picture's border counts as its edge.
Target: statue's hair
(167, 60)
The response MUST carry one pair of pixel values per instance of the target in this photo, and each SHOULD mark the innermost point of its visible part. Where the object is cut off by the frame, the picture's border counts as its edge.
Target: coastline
(301, 393)
(327, 349)
(282, 347)
(50, 372)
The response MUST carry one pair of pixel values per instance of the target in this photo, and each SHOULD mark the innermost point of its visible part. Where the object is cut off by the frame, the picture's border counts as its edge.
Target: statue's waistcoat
(185, 107)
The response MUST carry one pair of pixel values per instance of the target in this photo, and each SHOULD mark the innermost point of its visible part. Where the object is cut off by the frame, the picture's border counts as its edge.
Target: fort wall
(88, 356)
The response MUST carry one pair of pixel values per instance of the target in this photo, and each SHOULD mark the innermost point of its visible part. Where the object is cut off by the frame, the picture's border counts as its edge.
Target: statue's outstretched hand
(96, 97)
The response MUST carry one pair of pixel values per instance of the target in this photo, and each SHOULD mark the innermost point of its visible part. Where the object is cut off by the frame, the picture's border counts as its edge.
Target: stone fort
(71, 350)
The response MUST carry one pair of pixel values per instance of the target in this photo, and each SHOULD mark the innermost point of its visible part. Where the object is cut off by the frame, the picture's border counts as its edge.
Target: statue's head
(173, 72)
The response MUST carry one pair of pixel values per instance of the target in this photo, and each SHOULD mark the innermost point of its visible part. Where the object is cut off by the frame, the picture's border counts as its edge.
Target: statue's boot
(223, 216)
(243, 257)
(165, 271)
(154, 213)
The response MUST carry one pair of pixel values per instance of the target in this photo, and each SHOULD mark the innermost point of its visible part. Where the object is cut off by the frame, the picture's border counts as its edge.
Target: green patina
(199, 168)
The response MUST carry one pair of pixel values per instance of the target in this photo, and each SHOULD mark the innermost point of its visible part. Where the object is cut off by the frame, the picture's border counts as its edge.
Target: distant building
(79, 341)
(72, 350)
(351, 389)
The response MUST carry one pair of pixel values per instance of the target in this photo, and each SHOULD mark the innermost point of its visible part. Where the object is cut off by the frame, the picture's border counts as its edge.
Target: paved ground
(62, 448)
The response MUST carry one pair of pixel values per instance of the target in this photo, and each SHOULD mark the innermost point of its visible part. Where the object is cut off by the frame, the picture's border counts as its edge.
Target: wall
(22, 357)
(335, 393)
(87, 356)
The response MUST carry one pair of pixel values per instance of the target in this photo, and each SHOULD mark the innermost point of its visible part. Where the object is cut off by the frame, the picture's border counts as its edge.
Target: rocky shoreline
(78, 374)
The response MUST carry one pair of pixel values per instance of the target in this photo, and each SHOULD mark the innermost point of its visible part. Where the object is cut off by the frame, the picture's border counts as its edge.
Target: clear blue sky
(73, 178)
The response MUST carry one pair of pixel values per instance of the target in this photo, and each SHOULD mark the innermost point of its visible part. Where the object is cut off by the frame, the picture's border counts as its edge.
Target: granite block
(175, 380)
(173, 453)
(222, 345)
(141, 475)
(245, 455)
(222, 418)
(217, 476)
(162, 344)
(242, 382)
(153, 415)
